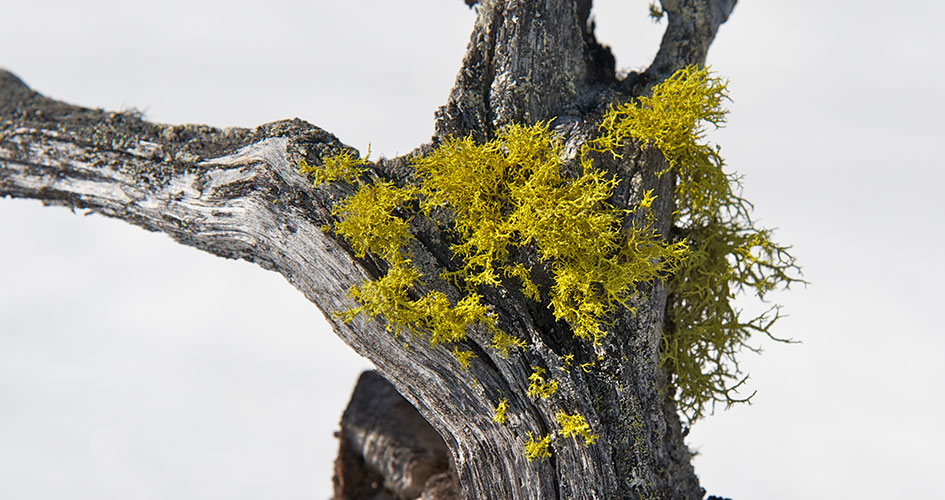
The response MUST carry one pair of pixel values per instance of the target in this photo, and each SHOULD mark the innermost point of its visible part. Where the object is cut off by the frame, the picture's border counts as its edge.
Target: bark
(692, 25)
(237, 193)
(388, 449)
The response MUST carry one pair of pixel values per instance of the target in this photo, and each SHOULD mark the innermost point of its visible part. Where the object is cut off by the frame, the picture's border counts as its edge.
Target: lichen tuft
(574, 426)
(537, 449)
(728, 253)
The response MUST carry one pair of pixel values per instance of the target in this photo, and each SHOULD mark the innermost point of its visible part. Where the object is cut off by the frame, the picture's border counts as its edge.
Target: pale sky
(134, 368)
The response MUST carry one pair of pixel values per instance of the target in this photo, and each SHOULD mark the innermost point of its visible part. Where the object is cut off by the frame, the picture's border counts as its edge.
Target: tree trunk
(237, 193)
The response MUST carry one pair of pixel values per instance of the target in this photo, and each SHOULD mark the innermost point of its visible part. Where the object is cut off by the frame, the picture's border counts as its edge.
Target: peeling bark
(237, 193)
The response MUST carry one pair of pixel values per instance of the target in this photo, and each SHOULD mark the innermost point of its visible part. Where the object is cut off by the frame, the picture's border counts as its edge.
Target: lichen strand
(728, 252)
(502, 342)
(431, 316)
(463, 357)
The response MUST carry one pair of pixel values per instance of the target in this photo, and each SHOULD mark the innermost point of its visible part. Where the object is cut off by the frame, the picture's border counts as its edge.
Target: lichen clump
(537, 449)
(344, 166)
(498, 415)
(575, 426)
(514, 209)
(510, 195)
(728, 253)
(504, 197)
(538, 386)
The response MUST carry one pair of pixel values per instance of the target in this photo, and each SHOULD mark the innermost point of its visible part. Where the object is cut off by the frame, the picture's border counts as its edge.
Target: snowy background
(135, 368)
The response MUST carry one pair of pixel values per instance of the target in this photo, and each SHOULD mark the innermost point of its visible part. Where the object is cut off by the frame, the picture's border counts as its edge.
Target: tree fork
(237, 193)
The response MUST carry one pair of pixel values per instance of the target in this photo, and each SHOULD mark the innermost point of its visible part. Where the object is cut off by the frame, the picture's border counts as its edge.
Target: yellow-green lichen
(574, 426)
(498, 415)
(728, 253)
(514, 208)
(447, 322)
(537, 449)
(368, 222)
(463, 357)
(502, 342)
(529, 288)
(388, 298)
(344, 166)
(504, 197)
(510, 194)
(538, 386)
(567, 359)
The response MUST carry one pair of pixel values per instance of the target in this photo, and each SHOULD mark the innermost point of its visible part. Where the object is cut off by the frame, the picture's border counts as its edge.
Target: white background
(135, 368)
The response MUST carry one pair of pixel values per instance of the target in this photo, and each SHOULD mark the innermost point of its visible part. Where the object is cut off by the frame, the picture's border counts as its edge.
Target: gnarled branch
(691, 28)
(237, 193)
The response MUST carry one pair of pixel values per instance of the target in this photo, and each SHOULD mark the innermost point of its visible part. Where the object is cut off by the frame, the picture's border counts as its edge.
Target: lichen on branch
(728, 254)
(511, 194)
(514, 208)
(504, 197)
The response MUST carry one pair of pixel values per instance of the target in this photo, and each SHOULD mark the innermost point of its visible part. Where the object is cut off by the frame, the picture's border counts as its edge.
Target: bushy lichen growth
(728, 253)
(463, 357)
(371, 222)
(344, 166)
(368, 222)
(514, 209)
(388, 297)
(503, 197)
(538, 386)
(510, 194)
(574, 426)
(498, 415)
(537, 449)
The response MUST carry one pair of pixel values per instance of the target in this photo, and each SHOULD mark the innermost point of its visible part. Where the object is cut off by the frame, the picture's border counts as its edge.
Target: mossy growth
(728, 253)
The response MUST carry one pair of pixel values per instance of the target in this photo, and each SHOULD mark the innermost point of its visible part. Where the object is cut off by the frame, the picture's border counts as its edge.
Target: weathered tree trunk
(237, 193)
